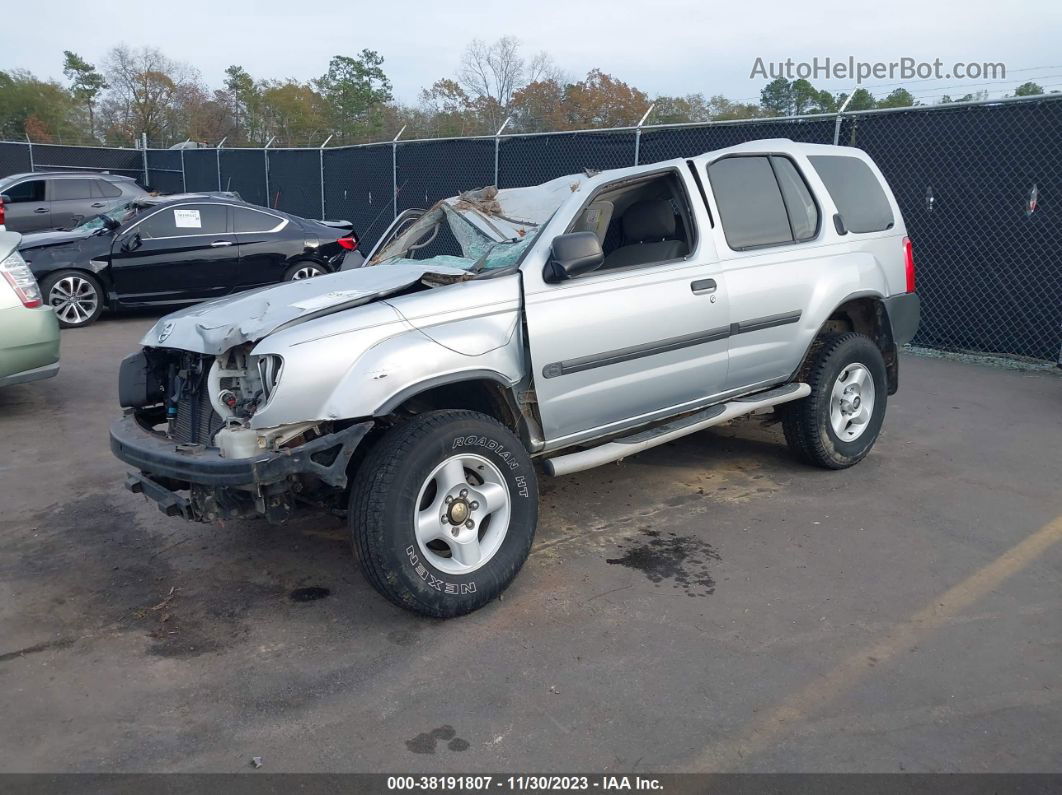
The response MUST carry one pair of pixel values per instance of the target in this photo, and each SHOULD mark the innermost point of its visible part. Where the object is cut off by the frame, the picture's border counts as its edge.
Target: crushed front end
(187, 432)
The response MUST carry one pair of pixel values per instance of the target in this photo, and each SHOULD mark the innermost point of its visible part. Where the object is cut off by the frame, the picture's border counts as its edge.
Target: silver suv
(568, 324)
(61, 200)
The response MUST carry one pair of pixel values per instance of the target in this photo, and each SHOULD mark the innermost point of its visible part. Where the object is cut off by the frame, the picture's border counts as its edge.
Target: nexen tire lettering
(439, 585)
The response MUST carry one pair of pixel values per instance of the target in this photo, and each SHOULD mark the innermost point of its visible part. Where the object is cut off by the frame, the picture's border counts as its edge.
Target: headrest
(649, 221)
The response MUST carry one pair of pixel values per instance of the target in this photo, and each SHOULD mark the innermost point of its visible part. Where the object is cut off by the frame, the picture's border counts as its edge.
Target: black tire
(806, 422)
(383, 506)
(74, 314)
(301, 265)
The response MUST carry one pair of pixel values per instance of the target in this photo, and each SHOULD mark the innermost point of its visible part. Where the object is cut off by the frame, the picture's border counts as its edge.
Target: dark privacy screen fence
(979, 185)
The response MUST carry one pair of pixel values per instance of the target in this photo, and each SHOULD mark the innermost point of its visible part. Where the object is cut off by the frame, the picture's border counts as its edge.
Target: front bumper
(166, 467)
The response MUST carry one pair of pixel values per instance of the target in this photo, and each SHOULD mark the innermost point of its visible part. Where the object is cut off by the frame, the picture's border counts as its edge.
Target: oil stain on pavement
(683, 560)
(425, 742)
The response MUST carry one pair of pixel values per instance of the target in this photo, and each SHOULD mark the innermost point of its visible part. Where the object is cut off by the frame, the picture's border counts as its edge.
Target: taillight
(17, 273)
(349, 243)
(908, 264)
(2, 212)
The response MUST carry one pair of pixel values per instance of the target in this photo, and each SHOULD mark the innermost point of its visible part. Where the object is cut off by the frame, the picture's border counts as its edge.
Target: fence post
(29, 143)
(143, 155)
(394, 171)
(184, 179)
(497, 147)
(638, 135)
(221, 143)
(265, 152)
(321, 150)
(837, 123)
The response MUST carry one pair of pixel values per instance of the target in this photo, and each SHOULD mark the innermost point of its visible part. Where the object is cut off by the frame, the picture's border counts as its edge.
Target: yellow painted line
(762, 733)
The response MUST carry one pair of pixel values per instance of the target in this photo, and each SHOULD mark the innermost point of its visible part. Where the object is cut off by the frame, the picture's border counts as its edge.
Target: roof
(68, 174)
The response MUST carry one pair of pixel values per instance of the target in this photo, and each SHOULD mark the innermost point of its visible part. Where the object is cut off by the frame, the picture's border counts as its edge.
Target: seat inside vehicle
(639, 223)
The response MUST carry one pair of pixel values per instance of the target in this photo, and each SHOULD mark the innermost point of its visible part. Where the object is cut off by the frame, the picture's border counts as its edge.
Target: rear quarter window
(855, 190)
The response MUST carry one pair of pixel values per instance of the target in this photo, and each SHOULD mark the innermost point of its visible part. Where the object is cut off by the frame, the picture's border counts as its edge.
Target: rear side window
(64, 189)
(750, 203)
(856, 191)
(107, 190)
(254, 221)
(197, 219)
(803, 214)
(32, 190)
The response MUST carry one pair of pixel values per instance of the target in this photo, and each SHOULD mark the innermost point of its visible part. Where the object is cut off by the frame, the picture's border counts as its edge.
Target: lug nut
(470, 524)
(464, 492)
(454, 532)
(443, 518)
(475, 506)
(448, 500)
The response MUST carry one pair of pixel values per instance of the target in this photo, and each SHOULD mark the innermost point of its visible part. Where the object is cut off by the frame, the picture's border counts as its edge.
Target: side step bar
(713, 415)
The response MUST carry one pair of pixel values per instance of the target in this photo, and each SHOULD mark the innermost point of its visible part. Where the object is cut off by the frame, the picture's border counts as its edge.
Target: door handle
(98, 204)
(220, 243)
(41, 210)
(703, 286)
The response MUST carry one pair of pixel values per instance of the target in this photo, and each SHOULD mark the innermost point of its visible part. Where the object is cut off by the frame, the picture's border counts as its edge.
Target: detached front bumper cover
(325, 458)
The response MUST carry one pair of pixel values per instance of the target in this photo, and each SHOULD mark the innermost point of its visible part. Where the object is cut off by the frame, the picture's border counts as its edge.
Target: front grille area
(196, 421)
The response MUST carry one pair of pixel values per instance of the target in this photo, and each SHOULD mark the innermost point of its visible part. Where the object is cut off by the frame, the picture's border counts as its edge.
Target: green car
(29, 330)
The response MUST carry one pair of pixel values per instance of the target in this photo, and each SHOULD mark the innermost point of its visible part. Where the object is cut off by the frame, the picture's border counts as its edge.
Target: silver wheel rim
(852, 402)
(306, 272)
(462, 514)
(74, 299)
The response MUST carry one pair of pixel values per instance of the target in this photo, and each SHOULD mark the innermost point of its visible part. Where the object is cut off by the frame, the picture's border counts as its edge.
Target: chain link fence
(979, 185)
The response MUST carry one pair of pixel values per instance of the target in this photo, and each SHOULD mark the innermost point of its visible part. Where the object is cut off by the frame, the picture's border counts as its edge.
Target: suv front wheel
(443, 512)
(837, 424)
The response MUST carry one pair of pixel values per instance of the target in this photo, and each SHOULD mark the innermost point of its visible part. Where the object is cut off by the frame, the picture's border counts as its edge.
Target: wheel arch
(866, 313)
(485, 391)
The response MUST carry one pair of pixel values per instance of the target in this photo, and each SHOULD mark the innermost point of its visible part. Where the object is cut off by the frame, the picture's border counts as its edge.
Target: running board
(661, 434)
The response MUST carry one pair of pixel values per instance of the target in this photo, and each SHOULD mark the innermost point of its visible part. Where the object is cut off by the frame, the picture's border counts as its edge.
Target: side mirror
(5, 198)
(131, 243)
(572, 255)
(109, 223)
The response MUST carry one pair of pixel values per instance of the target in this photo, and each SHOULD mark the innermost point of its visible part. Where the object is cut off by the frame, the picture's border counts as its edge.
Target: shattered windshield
(122, 213)
(469, 233)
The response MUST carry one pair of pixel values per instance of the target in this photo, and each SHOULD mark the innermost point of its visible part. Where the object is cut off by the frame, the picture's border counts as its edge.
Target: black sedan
(177, 250)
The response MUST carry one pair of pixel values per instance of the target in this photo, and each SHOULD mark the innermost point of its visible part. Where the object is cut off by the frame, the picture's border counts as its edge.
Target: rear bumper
(36, 374)
(166, 468)
(905, 311)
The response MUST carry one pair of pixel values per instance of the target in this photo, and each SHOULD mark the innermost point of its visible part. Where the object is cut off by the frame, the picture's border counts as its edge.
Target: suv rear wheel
(837, 424)
(443, 512)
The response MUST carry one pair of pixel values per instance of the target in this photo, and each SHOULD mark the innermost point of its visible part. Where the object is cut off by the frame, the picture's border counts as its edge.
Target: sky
(660, 46)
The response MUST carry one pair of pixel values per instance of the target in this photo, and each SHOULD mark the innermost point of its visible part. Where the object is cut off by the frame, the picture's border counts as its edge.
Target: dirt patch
(426, 742)
(668, 557)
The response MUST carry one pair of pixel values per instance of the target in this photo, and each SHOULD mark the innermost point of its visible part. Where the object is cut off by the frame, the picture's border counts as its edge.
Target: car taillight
(2, 212)
(908, 264)
(349, 243)
(17, 273)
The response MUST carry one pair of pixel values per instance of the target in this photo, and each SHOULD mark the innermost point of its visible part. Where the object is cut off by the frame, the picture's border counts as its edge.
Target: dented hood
(215, 326)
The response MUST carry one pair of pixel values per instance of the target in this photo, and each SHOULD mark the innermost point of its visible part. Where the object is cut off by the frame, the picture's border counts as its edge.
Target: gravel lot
(710, 604)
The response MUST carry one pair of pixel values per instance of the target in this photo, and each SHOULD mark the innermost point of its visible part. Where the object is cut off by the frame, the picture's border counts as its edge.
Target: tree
(492, 74)
(776, 98)
(722, 109)
(1029, 89)
(600, 100)
(43, 110)
(244, 99)
(861, 100)
(354, 89)
(677, 110)
(85, 84)
(292, 112)
(898, 98)
(143, 97)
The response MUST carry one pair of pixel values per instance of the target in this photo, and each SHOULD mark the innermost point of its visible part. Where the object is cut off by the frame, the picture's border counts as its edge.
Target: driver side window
(641, 223)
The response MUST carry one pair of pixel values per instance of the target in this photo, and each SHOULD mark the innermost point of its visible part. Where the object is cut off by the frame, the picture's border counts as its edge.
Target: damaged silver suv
(569, 324)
